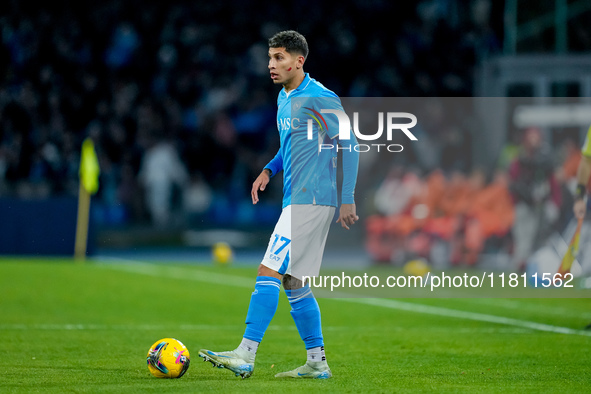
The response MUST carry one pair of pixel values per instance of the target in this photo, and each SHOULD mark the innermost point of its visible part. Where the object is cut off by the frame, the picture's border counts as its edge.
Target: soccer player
(583, 175)
(309, 204)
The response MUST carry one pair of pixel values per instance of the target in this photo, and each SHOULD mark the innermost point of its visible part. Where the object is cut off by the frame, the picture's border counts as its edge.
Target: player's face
(283, 66)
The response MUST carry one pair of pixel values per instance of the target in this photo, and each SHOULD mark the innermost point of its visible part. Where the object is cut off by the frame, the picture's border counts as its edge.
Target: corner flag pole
(89, 173)
(571, 253)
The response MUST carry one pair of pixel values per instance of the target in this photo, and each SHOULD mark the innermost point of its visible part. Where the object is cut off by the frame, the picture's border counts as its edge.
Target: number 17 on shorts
(277, 256)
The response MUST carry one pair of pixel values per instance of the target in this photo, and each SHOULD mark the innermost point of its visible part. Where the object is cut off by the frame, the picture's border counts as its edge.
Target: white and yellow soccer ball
(168, 358)
(222, 253)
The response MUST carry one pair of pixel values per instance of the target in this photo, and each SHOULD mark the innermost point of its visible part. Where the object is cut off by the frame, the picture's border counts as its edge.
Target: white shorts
(297, 243)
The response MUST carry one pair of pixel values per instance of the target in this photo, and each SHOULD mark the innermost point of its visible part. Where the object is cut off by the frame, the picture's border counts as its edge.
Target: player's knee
(291, 283)
(266, 271)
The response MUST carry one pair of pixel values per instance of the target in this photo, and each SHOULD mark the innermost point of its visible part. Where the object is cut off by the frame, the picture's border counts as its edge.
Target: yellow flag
(571, 253)
(89, 167)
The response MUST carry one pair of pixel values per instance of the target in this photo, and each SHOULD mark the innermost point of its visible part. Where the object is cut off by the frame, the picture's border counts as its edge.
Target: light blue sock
(306, 315)
(262, 308)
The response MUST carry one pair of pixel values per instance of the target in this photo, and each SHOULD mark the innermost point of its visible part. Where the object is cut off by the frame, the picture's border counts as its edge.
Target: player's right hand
(259, 184)
(347, 215)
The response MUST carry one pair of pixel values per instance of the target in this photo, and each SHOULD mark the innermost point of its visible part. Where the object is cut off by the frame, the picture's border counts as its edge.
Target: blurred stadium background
(177, 99)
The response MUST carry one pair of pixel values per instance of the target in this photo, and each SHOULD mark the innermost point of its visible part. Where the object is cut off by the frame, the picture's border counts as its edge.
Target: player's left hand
(347, 215)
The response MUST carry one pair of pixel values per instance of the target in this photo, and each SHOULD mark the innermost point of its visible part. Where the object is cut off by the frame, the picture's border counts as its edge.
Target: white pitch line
(446, 312)
(210, 277)
(177, 272)
(518, 304)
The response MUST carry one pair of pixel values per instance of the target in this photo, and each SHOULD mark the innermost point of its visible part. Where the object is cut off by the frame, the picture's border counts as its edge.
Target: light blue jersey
(309, 172)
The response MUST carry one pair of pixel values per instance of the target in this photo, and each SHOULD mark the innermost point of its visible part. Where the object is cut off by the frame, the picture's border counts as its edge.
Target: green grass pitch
(68, 327)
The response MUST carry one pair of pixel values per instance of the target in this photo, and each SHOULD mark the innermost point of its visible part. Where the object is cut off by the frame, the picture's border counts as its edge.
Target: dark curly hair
(291, 40)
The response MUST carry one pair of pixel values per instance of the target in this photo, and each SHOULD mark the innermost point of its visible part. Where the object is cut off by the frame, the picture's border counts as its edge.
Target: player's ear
(301, 60)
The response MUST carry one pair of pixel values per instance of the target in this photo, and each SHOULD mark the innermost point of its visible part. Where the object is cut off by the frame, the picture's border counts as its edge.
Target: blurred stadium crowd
(177, 98)
(455, 216)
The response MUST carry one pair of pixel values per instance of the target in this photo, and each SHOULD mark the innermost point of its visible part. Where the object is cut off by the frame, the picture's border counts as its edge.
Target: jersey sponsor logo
(283, 124)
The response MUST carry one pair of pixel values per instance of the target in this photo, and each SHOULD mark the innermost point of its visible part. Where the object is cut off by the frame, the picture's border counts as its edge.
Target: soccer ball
(221, 253)
(168, 358)
(418, 267)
